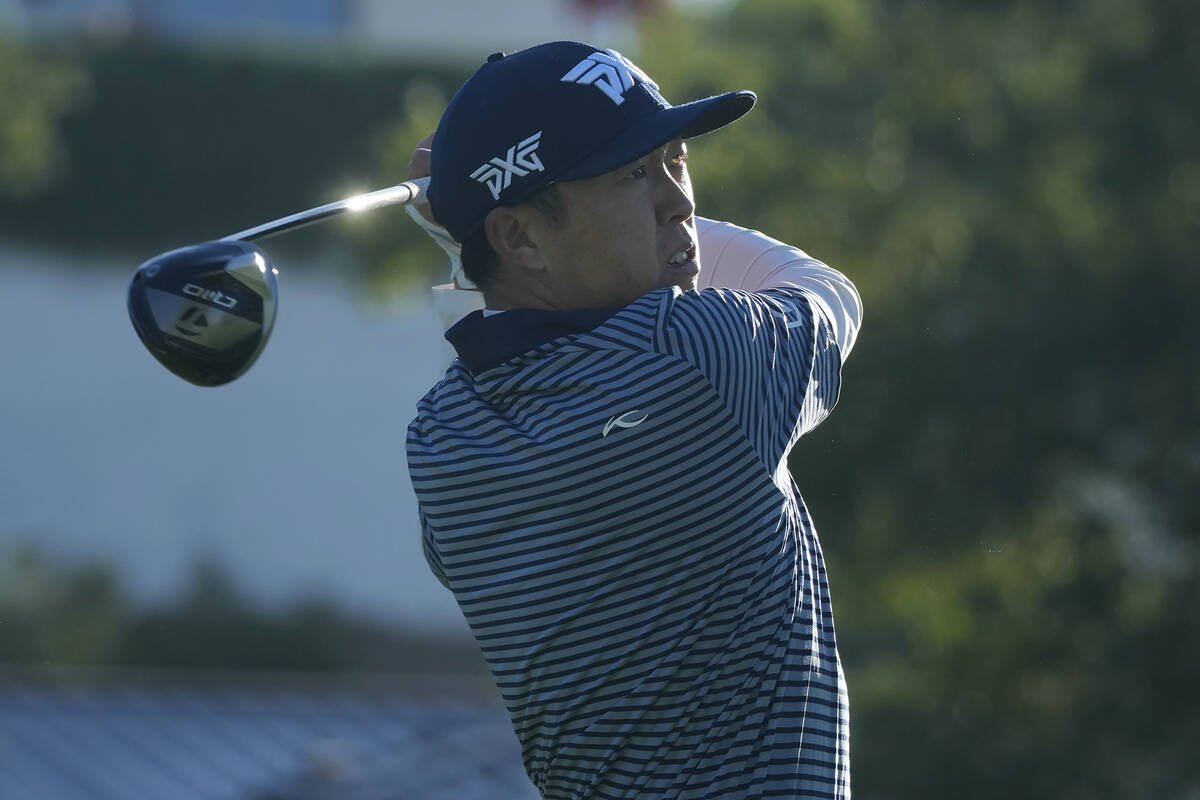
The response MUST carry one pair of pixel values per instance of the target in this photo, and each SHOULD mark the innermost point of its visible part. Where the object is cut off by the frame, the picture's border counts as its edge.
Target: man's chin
(686, 284)
(683, 275)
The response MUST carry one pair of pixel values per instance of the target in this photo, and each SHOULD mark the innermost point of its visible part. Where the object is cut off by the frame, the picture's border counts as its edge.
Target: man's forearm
(740, 258)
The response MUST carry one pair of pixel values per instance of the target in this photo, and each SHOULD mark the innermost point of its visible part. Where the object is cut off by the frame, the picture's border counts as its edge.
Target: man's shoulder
(716, 311)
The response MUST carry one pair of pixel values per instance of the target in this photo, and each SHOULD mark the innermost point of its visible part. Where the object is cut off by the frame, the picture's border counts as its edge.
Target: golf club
(206, 311)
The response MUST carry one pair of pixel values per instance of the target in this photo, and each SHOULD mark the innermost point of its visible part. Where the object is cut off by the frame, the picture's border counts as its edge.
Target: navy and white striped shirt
(606, 494)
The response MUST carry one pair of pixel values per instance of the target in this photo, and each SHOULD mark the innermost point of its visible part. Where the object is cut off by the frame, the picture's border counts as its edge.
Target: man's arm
(739, 258)
(770, 331)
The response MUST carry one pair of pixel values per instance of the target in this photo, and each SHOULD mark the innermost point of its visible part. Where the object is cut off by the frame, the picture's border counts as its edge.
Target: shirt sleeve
(740, 258)
(772, 348)
(430, 549)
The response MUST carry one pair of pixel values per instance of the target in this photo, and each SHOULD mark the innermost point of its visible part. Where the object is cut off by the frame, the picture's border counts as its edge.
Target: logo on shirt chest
(624, 421)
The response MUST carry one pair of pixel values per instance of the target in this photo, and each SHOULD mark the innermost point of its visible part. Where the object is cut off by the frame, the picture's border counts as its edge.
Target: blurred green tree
(1006, 490)
(60, 614)
(396, 257)
(55, 615)
(36, 91)
(174, 145)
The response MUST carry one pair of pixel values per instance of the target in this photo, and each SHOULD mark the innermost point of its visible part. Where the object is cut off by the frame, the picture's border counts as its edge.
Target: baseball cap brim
(687, 121)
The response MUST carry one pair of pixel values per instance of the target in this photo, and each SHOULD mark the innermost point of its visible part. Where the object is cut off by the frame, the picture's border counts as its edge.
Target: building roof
(272, 738)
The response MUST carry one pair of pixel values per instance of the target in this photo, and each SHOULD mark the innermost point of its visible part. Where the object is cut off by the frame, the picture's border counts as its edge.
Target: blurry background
(1007, 494)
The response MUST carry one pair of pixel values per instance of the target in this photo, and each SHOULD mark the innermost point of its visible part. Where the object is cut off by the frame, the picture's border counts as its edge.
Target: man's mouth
(684, 260)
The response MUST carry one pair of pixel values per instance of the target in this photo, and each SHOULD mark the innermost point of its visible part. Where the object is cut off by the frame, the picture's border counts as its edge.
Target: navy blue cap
(559, 111)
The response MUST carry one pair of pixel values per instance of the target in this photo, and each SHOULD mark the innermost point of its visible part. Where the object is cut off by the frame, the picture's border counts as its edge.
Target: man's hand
(419, 167)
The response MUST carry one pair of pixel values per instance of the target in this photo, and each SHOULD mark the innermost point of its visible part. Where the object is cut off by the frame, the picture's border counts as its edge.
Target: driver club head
(205, 311)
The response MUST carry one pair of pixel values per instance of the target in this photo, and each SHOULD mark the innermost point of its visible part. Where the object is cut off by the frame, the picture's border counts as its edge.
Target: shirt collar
(483, 341)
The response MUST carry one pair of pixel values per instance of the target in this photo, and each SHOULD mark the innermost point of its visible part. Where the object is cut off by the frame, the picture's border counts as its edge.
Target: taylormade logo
(520, 160)
(610, 72)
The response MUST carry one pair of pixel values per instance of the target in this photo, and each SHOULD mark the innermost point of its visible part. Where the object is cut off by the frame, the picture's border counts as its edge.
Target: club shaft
(399, 194)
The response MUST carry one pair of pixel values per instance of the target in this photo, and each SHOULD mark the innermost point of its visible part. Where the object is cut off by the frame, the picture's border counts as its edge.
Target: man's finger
(418, 165)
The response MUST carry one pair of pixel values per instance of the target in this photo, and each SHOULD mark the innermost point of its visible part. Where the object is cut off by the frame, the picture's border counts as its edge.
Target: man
(602, 474)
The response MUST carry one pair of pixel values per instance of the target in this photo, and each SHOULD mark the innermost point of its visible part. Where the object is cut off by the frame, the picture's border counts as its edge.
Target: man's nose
(675, 204)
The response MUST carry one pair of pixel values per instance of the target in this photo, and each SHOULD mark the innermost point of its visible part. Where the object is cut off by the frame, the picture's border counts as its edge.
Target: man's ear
(508, 231)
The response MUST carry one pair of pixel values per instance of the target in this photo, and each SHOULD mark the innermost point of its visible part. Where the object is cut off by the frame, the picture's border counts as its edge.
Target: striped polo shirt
(606, 494)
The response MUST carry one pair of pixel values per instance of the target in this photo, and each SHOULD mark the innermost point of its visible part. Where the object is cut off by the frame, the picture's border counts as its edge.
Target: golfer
(602, 473)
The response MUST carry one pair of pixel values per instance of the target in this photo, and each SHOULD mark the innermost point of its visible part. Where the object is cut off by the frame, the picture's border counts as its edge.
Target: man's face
(624, 233)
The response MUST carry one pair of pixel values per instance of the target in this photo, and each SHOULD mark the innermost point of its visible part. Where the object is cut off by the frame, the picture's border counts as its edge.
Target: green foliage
(1006, 489)
(58, 614)
(399, 257)
(176, 146)
(48, 617)
(35, 93)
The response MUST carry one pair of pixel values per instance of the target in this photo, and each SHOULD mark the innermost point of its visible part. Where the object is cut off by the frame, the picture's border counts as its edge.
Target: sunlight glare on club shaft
(370, 200)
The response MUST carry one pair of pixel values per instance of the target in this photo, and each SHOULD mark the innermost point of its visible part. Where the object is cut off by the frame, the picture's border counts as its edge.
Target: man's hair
(480, 262)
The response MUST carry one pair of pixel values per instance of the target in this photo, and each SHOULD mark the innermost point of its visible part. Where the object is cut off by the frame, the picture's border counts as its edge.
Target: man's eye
(640, 172)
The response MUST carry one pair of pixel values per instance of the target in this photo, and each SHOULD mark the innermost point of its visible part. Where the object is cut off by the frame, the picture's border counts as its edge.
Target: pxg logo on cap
(520, 160)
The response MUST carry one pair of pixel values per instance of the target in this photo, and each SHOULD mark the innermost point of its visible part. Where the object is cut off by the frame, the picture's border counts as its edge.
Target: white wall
(294, 475)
